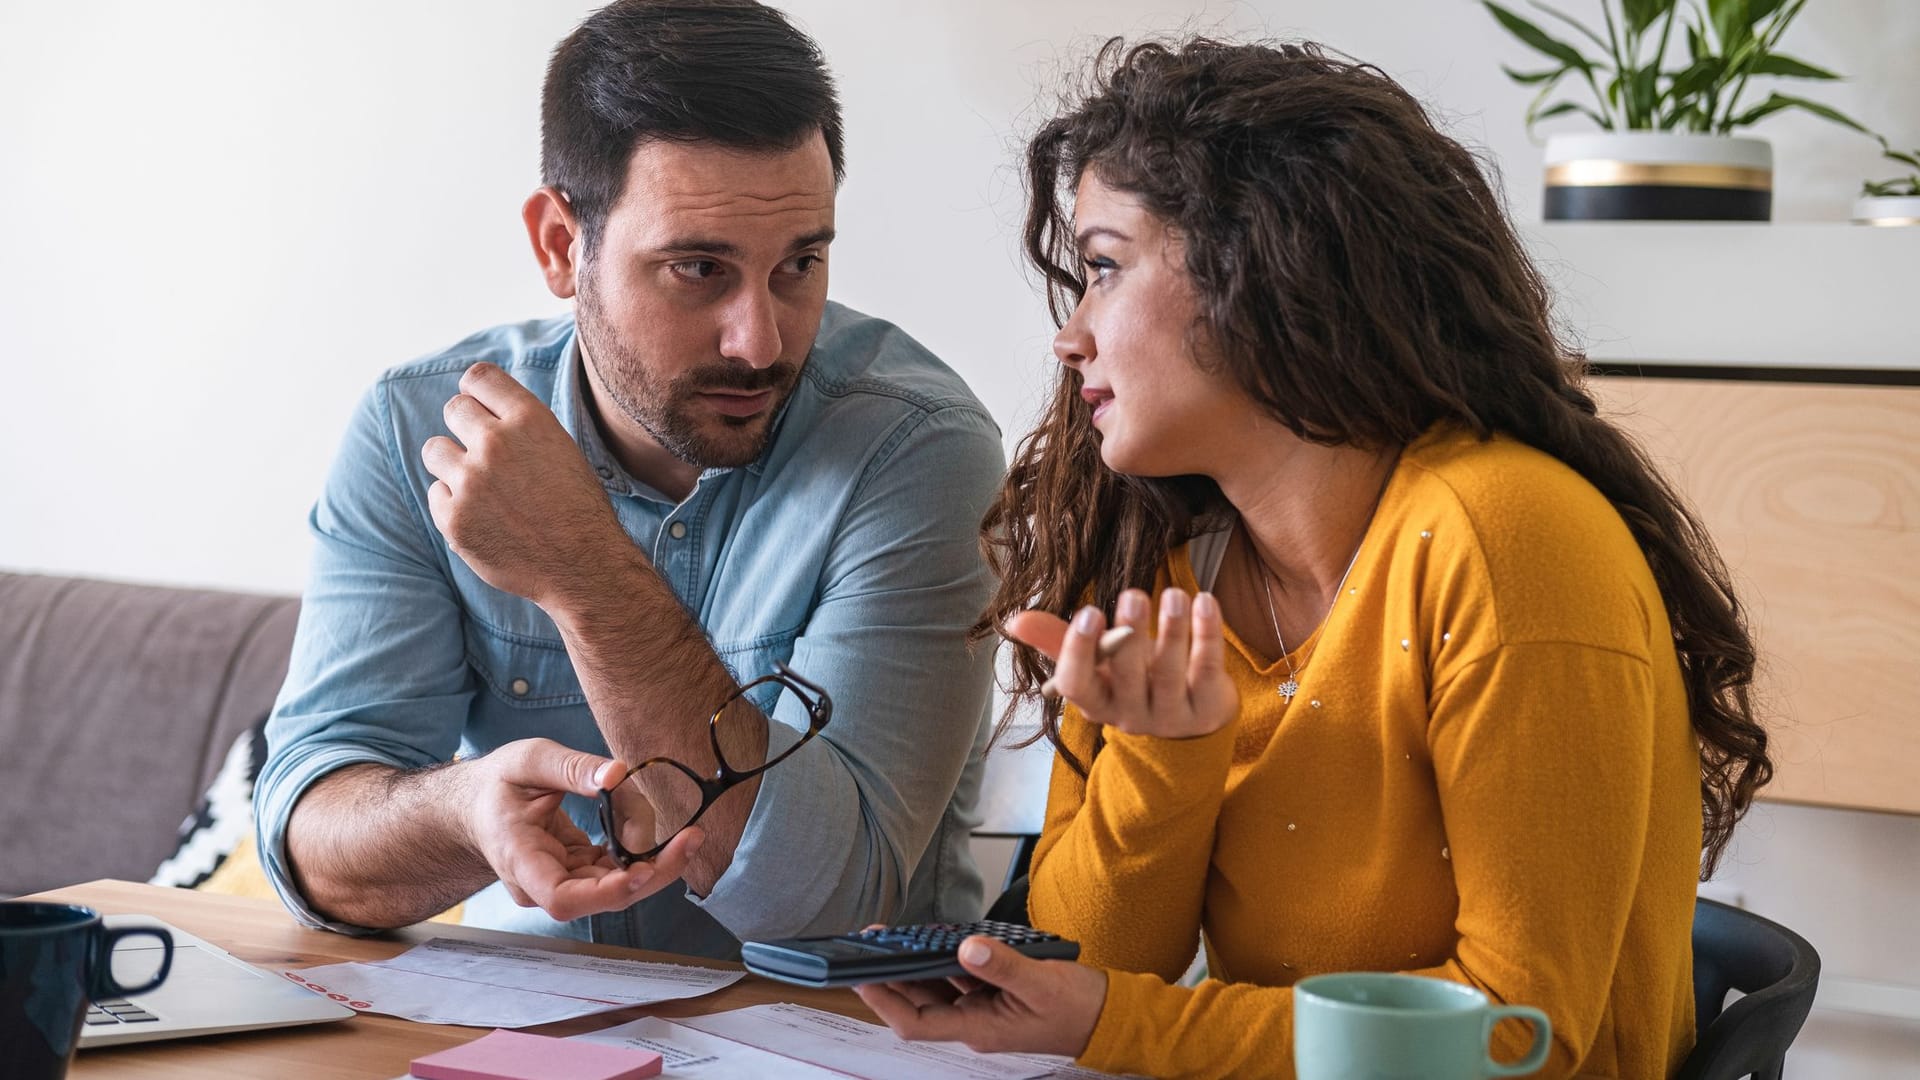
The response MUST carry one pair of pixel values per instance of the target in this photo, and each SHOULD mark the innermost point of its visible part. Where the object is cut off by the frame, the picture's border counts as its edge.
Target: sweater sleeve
(1121, 866)
(1543, 757)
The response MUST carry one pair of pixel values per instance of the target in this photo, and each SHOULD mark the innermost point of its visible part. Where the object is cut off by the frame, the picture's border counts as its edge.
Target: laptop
(208, 992)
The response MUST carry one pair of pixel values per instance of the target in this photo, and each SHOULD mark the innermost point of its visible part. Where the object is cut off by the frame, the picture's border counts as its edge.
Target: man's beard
(669, 411)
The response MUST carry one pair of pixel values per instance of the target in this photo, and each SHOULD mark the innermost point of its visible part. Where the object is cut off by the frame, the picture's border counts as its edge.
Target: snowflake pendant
(1289, 688)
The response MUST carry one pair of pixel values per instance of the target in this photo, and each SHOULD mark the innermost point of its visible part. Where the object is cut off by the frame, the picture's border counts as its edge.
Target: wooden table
(262, 933)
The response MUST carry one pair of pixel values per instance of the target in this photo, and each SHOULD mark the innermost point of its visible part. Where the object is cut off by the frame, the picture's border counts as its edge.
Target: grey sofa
(118, 704)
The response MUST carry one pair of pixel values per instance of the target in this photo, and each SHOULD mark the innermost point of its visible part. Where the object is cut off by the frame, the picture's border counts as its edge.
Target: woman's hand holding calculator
(1006, 1001)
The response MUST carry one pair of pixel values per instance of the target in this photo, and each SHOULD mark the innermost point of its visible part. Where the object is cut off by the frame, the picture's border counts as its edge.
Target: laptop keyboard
(118, 1012)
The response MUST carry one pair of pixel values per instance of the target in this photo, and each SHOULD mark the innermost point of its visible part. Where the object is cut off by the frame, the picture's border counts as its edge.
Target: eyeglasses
(672, 796)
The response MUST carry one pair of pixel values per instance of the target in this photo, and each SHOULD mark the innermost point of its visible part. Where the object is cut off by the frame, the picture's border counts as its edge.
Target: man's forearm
(381, 847)
(652, 681)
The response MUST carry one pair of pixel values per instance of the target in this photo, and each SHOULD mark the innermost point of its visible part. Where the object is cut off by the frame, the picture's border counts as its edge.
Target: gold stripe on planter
(1888, 221)
(1595, 173)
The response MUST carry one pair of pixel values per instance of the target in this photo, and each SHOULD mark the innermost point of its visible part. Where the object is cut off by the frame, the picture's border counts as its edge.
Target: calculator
(892, 953)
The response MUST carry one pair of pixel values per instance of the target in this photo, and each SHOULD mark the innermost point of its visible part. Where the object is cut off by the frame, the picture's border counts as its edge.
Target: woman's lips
(1099, 399)
(740, 405)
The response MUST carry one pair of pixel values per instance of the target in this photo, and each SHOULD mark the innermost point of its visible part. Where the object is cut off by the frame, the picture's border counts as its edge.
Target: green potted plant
(1666, 147)
(1895, 201)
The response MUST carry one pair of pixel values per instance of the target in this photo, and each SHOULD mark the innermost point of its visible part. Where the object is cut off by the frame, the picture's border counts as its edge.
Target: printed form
(466, 982)
(794, 1041)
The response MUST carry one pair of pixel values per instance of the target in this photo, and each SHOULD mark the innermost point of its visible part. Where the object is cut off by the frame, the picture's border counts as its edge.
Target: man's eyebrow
(1092, 231)
(695, 245)
(814, 239)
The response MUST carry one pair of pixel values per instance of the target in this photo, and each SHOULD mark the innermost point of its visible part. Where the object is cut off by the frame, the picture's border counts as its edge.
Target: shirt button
(605, 473)
(677, 530)
(520, 687)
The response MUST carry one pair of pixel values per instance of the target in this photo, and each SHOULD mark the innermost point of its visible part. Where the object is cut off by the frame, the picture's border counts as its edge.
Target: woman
(1441, 677)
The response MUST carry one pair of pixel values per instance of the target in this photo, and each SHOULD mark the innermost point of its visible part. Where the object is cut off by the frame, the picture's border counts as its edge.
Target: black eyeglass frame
(819, 711)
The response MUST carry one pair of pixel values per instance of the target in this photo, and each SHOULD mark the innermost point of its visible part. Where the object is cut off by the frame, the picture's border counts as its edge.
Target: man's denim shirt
(850, 550)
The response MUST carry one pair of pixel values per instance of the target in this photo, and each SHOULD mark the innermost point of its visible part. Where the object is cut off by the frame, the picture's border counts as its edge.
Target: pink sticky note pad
(514, 1055)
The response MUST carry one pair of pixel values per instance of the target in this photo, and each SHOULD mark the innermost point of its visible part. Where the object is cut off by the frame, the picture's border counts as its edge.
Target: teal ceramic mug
(1372, 1025)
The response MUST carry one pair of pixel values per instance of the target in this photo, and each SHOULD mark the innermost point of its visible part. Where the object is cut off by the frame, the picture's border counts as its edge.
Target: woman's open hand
(1172, 684)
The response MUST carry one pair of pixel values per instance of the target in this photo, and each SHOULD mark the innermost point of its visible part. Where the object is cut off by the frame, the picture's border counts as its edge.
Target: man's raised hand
(513, 495)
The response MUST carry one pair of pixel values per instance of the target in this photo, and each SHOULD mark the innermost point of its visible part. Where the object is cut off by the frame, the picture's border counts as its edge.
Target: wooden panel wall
(1813, 494)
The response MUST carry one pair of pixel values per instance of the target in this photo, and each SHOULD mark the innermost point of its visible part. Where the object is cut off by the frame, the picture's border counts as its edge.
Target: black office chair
(1774, 967)
(1011, 907)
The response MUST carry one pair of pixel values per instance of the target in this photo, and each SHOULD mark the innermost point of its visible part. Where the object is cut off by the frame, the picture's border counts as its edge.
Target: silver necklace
(1291, 685)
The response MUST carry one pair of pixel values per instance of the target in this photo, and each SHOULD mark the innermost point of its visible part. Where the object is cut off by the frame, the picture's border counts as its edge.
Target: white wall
(219, 220)
(223, 219)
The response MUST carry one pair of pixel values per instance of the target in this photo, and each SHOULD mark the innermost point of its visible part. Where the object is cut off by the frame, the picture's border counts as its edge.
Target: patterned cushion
(223, 819)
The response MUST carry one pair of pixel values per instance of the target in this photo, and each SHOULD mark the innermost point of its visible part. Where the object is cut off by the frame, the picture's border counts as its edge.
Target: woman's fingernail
(974, 952)
(1086, 619)
(1206, 606)
(1173, 603)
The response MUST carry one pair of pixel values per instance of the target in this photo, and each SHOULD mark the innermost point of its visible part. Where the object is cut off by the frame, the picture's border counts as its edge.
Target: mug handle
(1542, 1039)
(103, 984)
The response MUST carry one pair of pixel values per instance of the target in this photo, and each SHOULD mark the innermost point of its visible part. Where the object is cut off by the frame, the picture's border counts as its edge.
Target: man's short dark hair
(732, 72)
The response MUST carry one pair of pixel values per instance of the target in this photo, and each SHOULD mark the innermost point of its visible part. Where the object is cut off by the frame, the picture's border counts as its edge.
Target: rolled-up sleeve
(838, 829)
(378, 671)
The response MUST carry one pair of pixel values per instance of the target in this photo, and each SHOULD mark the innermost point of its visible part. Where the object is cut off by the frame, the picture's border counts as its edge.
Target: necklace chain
(1291, 685)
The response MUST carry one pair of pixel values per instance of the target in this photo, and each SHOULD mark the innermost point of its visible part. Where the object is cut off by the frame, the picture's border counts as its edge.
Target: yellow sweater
(1488, 776)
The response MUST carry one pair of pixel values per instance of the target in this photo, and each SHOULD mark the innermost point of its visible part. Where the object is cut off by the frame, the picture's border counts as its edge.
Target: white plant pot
(1887, 210)
(1658, 176)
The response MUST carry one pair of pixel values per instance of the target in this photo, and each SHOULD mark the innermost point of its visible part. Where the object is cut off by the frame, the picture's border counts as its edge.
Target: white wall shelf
(1737, 294)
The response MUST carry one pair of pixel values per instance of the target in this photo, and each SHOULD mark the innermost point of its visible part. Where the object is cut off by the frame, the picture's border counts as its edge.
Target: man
(563, 540)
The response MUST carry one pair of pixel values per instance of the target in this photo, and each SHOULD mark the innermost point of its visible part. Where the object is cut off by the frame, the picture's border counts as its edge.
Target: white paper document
(466, 982)
(685, 1052)
(870, 1051)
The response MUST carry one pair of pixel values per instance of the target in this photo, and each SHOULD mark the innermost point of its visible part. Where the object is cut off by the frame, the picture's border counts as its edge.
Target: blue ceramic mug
(54, 959)
(1373, 1025)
